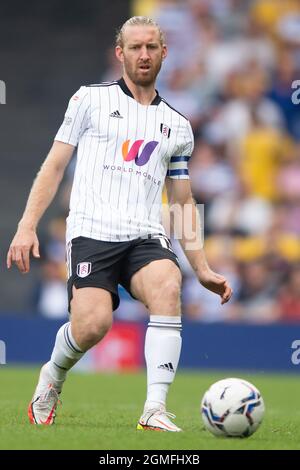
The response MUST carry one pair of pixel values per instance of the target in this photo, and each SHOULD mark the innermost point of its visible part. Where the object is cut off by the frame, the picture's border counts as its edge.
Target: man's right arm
(41, 195)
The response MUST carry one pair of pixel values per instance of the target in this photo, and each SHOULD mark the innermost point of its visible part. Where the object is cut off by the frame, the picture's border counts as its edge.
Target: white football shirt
(125, 151)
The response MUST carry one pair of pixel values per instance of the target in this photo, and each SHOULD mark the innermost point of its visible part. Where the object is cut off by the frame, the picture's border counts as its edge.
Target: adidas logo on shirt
(116, 114)
(168, 367)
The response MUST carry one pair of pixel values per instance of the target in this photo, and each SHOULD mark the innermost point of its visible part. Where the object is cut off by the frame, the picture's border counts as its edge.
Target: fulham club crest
(84, 269)
(165, 130)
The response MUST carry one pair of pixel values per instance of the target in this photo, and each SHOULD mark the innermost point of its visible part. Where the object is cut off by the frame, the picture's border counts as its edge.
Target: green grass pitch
(100, 411)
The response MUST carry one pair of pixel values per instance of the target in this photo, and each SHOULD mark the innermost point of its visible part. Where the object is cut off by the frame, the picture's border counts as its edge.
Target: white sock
(162, 352)
(65, 353)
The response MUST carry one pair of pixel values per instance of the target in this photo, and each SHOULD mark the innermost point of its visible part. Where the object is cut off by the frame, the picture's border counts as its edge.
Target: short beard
(146, 81)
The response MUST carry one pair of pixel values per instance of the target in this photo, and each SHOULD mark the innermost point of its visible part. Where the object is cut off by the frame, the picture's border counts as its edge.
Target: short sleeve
(178, 165)
(76, 118)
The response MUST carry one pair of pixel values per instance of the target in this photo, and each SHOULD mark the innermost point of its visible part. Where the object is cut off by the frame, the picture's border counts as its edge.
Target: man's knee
(165, 292)
(91, 328)
(169, 288)
(91, 316)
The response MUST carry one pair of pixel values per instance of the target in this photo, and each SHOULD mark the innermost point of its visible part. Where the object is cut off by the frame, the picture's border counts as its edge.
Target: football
(232, 407)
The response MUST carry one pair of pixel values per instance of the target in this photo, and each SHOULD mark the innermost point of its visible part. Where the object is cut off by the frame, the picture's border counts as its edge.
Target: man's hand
(23, 243)
(216, 283)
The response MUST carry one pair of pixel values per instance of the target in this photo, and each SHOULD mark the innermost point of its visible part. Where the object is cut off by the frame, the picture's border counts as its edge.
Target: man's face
(141, 54)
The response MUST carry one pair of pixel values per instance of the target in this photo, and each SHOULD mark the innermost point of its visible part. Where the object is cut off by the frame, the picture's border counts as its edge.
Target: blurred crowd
(231, 69)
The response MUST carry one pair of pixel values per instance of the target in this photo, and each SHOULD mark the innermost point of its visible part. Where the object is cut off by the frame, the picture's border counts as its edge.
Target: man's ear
(119, 53)
(164, 52)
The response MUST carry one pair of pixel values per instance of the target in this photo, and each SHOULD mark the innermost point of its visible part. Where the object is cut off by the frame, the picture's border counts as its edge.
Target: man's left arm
(186, 225)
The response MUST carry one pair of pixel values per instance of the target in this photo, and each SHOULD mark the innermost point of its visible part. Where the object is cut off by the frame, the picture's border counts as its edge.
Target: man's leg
(91, 318)
(158, 285)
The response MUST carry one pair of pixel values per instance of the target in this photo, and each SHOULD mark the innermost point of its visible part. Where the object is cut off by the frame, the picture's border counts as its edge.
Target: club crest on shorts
(84, 269)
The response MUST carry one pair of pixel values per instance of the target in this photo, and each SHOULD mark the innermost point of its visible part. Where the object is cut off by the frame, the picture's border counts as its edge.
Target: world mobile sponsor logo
(143, 174)
(133, 152)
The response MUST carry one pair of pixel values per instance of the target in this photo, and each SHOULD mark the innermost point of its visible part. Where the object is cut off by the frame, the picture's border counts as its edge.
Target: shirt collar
(126, 90)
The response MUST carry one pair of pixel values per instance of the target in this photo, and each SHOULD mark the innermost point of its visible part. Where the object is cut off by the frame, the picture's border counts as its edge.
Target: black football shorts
(95, 263)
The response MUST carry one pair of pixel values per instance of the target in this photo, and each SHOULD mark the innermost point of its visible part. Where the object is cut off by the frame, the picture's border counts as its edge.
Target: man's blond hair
(138, 21)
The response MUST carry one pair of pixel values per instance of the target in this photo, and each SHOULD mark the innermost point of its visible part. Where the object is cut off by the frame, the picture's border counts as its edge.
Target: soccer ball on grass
(232, 407)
